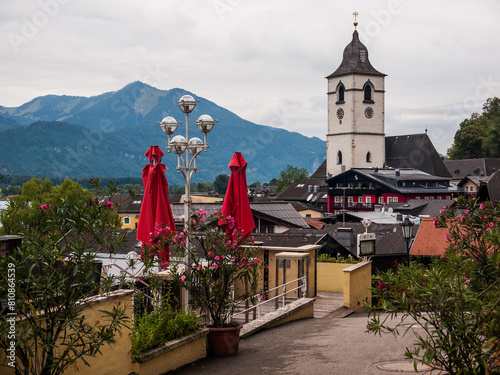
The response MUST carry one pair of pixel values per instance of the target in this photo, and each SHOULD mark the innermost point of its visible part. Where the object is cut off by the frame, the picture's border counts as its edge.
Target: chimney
(399, 217)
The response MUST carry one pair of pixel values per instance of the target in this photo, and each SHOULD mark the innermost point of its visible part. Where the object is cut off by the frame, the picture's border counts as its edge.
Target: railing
(257, 308)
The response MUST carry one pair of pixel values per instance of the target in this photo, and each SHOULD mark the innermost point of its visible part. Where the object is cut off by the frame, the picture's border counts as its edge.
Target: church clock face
(369, 112)
(340, 113)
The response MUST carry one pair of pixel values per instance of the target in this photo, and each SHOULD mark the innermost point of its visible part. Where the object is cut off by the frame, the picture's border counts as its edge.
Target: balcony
(352, 206)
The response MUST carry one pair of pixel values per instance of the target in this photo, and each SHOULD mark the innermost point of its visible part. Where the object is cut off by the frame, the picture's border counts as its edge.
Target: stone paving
(334, 342)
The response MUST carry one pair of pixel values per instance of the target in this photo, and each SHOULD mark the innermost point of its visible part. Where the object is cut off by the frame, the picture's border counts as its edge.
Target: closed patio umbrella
(236, 203)
(155, 209)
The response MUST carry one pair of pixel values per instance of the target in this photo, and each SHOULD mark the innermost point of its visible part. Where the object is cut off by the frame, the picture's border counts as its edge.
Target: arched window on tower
(367, 89)
(339, 157)
(368, 157)
(340, 91)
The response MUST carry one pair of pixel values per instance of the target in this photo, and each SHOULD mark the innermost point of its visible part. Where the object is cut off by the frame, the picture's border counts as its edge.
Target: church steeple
(355, 137)
(355, 59)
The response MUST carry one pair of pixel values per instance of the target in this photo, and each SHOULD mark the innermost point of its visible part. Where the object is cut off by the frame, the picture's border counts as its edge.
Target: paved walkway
(327, 345)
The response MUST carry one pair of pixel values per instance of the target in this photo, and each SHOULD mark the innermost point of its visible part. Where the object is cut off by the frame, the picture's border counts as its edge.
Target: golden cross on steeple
(355, 14)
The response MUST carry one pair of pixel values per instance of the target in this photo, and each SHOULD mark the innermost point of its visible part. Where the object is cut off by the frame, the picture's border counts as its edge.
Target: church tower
(355, 137)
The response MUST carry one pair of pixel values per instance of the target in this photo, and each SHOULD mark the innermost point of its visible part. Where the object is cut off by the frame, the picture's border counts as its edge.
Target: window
(368, 157)
(380, 200)
(368, 199)
(395, 199)
(360, 199)
(389, 199)
(339, 157)
(349, 200)
(341, 92)
(126, 220)
(337, 199)
(308, 216)
(368, 94)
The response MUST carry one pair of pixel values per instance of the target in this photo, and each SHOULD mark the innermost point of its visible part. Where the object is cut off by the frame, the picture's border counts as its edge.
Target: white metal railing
(256, 308)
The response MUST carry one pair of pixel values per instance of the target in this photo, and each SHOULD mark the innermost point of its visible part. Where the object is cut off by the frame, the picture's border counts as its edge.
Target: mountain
(107, 136)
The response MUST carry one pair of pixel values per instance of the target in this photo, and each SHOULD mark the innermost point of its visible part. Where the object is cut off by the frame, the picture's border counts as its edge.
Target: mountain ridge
(124, 123)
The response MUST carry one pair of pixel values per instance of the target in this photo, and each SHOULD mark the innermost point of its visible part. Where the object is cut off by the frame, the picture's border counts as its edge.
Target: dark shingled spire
(355, 60)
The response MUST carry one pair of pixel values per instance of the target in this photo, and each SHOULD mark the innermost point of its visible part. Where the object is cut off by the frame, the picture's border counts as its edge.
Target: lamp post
(187, 165)
(407, 229)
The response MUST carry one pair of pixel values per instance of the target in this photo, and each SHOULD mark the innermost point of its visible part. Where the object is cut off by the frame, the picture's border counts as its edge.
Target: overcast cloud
(265, 60)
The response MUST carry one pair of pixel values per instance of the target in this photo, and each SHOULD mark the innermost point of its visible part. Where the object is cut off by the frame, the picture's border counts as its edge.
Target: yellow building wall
(357, 283)
(116, 358)
(314, 214)
(133, 218)
(331, 276)
(292, 272)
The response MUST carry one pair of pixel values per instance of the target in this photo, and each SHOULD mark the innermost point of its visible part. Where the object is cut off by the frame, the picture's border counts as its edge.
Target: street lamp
(407, 229)
(186, 165)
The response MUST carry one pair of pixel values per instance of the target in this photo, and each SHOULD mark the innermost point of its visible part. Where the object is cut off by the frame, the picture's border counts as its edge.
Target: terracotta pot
(223, 341)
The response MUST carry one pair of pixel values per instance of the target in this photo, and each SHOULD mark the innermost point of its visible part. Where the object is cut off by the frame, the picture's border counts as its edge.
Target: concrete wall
(357, 283)
(331, 276)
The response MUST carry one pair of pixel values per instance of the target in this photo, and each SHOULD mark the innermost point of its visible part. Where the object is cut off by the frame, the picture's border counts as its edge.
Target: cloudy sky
(265, 60)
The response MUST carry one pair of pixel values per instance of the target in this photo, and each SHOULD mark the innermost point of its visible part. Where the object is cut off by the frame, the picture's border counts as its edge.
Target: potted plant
(220, 264)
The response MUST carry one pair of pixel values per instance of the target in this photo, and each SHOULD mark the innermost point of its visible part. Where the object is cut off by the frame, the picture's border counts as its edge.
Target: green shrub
(161, 325)
(327, 259)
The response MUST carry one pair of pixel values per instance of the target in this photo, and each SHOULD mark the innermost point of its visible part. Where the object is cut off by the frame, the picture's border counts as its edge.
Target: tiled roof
(493, 186)
(291, 238)
(474, 167)
(393, 179)
(127, 204)
(430, 241)
(315, 223)
(389, 239)
(422, 207)
(280, 210)
(414, 151)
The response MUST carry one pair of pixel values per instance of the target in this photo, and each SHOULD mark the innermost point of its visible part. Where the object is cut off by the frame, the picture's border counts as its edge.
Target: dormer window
(339, 157)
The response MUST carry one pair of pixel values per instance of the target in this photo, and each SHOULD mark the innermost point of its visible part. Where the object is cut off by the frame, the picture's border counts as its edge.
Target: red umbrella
(155, 209)
(236, 202)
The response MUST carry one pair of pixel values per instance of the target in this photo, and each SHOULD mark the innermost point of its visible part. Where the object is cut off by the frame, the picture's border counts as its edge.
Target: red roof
(430, 241)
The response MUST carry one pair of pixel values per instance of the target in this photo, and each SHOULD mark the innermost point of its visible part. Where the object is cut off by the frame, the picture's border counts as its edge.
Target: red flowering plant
(455, 301)
(222, 271)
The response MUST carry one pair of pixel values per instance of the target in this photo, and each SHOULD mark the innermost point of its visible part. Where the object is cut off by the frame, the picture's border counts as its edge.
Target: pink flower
(182, 244)
(481, 206)
(216, 265)
(108, 205)
(217, 258)
(198, 268)
(491, 224)
(466, 211)
(447, 236)
(210, 254)
(44, 206)
(182, 278)
(444, 256)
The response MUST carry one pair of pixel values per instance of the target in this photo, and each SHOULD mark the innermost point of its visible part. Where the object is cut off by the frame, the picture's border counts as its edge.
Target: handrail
(257, 307)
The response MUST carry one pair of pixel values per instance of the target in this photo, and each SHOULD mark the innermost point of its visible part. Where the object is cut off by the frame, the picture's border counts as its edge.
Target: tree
(290, 175)
(478, 136)
(456, 301)
(203, 187)
(220, 183)
(54, 273)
